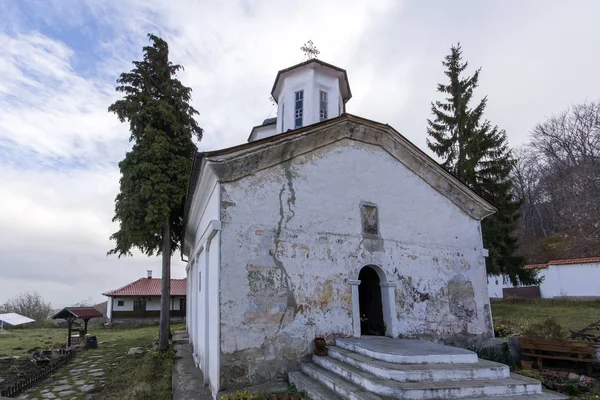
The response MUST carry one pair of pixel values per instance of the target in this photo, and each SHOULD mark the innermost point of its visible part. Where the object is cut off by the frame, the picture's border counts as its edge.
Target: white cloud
(59, 146)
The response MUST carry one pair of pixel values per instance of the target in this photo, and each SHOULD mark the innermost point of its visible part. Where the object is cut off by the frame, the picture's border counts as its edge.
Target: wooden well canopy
(70, 314)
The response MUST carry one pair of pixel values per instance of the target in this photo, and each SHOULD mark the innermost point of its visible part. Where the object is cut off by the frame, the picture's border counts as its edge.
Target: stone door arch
(387, 293)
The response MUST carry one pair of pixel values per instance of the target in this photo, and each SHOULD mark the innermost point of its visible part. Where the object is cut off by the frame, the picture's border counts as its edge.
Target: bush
(549, 329)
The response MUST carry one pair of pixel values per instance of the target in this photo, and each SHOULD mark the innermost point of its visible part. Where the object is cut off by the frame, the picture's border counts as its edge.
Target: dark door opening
(371, 309)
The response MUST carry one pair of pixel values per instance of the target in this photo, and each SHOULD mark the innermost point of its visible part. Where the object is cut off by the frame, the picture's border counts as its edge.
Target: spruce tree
(154, 174)
(478, 154)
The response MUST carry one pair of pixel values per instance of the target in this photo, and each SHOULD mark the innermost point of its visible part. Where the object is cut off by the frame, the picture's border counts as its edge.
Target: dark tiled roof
(78, 312)
(149, 287)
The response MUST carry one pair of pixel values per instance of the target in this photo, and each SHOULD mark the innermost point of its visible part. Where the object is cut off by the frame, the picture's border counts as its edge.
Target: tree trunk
(165, 298)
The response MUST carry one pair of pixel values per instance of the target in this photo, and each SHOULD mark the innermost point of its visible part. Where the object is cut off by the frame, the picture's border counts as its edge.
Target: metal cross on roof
(310, 50)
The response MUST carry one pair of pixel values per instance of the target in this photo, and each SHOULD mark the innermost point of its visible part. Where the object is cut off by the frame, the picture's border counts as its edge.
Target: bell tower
(306, 94)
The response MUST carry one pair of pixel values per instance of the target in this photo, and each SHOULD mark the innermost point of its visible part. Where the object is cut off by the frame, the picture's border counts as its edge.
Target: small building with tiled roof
(140, 300)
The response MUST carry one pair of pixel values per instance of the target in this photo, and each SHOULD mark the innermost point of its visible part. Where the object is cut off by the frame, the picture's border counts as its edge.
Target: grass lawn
(570, 314)
(143, 376)
(17, 342)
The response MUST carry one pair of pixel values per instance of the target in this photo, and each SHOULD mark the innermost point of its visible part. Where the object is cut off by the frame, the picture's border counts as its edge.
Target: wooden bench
(554, 349)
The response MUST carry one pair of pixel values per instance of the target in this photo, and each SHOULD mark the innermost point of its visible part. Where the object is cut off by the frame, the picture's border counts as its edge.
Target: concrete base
(407, 351)
(382, 368)
(273, 387)
(187, 380)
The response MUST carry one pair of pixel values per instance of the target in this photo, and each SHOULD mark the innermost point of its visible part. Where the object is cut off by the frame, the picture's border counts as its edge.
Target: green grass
(140, 377)
(146, 376)
(570, 314)
(17, 342)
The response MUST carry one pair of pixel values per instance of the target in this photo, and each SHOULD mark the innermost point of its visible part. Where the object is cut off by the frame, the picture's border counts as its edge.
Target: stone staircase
(381, 368)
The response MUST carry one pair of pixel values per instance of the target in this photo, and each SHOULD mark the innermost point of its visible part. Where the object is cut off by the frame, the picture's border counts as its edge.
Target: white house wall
(292, 242)
(152, 303)
(127, 304)
(213, 331)
(204, 286)
(199, 322)
(571, 280)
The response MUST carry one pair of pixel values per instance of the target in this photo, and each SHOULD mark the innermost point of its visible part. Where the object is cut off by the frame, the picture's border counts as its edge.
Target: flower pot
(320, 349)
(527, 364)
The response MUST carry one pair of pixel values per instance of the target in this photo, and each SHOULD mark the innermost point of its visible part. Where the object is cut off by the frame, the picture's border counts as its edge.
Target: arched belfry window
(299, 109)
(322, 105)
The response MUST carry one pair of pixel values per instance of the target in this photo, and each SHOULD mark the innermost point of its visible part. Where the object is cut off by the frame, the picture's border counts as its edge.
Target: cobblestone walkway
(81, 377)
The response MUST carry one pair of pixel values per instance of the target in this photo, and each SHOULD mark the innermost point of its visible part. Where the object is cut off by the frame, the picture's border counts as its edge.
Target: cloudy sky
(59, 147)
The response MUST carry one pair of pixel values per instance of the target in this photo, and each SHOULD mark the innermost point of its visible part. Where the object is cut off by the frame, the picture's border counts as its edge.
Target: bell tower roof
(319, 65)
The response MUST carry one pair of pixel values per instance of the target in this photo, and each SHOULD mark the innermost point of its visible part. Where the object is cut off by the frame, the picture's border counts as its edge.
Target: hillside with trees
(557, 176)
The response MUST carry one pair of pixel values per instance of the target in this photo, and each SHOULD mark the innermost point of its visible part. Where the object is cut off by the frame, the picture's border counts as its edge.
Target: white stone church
(325, 224)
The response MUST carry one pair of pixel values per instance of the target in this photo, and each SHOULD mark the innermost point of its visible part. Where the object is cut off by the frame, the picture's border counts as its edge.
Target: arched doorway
(371, 308)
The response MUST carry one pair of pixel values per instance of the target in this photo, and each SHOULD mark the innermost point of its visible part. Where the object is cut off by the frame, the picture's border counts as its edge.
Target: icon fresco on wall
(369, 220)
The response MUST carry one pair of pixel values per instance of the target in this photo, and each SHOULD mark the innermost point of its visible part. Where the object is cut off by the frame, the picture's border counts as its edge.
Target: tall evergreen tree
(154, 174)
(478, 154)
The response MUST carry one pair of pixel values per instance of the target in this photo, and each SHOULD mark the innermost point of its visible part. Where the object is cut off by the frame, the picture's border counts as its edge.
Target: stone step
(341, 387)
(181, 339)
(407, 351)
(545, 395)
(318, 391)
(420, 372)
(329, 369)
(314, 389)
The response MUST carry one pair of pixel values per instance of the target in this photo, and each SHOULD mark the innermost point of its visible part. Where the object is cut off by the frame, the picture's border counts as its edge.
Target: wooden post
(85, 322)
(70, 324)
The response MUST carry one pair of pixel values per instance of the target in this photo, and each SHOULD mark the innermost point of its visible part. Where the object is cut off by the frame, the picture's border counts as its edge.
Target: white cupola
(306, 93)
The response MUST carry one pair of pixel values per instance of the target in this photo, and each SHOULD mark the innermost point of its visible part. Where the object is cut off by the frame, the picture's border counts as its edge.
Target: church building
(325, 225)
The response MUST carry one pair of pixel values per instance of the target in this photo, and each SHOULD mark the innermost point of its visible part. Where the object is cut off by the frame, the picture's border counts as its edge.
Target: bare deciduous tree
(558, 178)
(29, 304)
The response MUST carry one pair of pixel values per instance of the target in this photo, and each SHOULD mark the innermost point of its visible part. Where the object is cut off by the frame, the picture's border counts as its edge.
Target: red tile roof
(149, 287)
(77, 312)
(535, 266)
(575, 261)
(570, 261)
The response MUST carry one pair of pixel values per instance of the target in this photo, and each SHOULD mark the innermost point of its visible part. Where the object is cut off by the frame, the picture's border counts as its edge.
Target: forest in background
(557, 178)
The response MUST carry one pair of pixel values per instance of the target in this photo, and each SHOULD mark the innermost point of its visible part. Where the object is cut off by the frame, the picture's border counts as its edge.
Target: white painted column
(355, 308)
(109, 309)
(388, 301)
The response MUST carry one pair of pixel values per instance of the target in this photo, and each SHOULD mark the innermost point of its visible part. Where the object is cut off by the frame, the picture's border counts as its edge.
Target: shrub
(549, 329)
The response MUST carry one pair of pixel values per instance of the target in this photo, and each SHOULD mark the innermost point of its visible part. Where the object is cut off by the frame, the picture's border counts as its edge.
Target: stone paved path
(79, 378)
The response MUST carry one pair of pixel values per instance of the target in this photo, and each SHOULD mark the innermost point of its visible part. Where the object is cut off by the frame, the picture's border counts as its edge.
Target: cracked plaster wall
(291, 239)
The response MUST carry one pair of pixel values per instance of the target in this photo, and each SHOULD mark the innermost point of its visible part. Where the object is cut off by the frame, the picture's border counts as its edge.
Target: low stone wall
(526, 292)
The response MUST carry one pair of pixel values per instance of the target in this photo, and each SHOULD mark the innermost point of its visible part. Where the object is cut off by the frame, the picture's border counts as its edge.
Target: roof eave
(476, 206)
